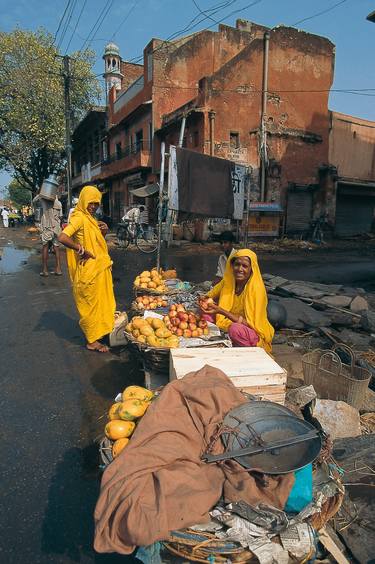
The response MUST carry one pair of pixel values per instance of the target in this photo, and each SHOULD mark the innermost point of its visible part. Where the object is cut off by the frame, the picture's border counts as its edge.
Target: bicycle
(146, 240)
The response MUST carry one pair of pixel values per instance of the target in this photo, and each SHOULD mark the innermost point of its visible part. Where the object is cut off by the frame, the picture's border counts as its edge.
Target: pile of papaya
(152, 331)
(124, 415)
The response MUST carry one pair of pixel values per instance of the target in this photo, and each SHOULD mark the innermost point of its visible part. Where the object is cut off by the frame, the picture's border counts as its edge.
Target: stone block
(337, 301)
(359, 304)
(338, 419)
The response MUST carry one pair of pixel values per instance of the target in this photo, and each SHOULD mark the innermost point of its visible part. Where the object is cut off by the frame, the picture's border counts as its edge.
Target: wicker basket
(203, 546)
(334, 380)
(154, 359)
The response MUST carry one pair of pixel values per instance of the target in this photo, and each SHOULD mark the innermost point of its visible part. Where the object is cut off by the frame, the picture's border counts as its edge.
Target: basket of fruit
(150, 282)
(123, 417)
(147, 303)
(185, 323)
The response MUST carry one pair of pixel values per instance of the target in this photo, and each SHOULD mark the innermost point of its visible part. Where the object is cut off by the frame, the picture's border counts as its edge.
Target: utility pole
(68, 141)
(263, 129)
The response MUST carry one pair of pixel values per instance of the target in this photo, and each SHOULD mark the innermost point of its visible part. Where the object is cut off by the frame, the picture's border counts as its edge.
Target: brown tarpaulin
(159, 484)
(204, 184)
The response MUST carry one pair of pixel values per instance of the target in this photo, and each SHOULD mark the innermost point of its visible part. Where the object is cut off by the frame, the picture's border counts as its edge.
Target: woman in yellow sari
(89, 267)
(240, 303)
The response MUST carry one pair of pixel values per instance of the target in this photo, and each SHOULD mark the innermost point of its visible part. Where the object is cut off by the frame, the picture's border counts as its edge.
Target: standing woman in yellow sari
(89, 266)
(239, 304)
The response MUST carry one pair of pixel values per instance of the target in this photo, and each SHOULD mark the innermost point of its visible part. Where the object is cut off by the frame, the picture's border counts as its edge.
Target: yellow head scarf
(93, 240)
(255, 298)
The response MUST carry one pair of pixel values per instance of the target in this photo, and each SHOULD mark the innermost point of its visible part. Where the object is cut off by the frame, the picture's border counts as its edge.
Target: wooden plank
(235, 362)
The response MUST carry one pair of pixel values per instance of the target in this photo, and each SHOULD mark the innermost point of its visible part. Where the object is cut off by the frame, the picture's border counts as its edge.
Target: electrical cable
(124, 20)
(96, 25)
(203, 13)
(320, 13)
(76, 25)
(61, 20)
(69, 17)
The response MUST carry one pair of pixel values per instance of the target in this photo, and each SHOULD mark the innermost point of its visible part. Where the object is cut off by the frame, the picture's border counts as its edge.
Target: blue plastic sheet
(302, 491)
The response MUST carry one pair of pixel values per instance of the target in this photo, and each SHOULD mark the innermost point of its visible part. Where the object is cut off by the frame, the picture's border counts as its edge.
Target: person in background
(143, 217)
(226, 243)
(132, 215)
(90, 269)
(50, 229)
(74, 203)
(5, 217)
(238, 304)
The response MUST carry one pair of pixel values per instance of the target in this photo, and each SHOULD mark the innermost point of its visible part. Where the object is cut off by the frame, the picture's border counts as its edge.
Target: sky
(132, 23)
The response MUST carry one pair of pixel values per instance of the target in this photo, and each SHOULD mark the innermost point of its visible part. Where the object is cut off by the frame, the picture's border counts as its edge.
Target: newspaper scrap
(298, 540)
(268, 552)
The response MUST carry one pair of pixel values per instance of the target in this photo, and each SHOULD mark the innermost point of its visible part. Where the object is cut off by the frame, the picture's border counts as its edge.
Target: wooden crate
(250, 368)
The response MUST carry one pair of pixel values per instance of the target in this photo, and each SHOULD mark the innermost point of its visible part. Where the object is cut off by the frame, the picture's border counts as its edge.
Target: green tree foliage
(32, 119)
(18, 195)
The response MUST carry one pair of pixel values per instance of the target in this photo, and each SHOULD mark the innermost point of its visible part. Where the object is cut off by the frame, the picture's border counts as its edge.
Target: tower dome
(111, 49)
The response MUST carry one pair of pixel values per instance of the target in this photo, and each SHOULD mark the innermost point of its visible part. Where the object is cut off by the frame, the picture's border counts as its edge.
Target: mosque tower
(112, 72)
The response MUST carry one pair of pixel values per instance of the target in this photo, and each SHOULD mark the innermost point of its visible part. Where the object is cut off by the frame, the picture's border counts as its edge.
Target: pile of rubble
(339, 313)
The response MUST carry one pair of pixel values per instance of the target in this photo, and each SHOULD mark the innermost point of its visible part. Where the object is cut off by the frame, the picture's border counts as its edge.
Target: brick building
(213, 79)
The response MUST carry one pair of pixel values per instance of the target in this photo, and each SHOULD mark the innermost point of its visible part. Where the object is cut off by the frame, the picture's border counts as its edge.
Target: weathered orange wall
(352, 147)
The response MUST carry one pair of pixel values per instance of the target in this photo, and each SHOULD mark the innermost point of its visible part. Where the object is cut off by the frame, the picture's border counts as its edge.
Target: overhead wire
(76, 25)
(95, 28)
(61, 20)
(203, 12)
(125, 19)
(68, 20)
(329, 9)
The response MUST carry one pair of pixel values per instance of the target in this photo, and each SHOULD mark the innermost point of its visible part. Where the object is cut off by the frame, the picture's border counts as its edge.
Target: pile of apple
(185, 323)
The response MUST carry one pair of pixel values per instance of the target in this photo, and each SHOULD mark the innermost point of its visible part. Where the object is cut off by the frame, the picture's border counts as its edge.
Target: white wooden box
(250, 368)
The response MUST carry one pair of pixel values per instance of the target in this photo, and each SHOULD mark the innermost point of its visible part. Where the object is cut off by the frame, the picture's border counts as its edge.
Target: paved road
(53, 393)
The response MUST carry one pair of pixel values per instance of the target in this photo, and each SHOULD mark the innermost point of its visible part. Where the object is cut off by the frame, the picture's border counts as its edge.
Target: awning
(145, 191)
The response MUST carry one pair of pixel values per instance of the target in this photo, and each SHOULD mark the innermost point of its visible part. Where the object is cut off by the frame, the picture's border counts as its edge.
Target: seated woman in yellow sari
(240, 303)
(89, 267)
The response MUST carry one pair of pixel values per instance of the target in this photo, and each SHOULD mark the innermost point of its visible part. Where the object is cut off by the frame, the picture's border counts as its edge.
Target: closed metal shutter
(299, 211)
(354, 214)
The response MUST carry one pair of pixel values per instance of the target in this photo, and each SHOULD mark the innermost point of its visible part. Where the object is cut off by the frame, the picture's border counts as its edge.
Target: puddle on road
(13, 259)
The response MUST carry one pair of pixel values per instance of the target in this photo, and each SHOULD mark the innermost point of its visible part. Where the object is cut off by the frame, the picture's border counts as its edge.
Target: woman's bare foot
(98, 347)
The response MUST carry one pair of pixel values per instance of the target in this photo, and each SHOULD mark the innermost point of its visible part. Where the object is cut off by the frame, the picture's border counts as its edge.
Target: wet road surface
(55, 393)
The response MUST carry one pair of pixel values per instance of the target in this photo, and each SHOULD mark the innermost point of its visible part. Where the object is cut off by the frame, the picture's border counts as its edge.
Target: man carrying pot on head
(50, 229)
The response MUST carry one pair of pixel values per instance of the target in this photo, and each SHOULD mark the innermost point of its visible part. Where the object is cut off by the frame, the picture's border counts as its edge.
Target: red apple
(200, 332)
(192, 326)
(173, 307)
(187, 333)
(172, 313)
(183, 325)
(183, 316)
(192, 318)
(180, 307)
(195, 333)
(179, 332)
(175, 321)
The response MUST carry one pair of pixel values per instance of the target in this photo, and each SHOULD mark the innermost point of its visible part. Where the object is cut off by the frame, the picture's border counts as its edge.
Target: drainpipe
(211, 116)
(263, 131)
(182, 131)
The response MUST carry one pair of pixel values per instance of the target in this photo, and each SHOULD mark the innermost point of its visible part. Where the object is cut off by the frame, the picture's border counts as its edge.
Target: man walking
(50, 229)
(5, 216)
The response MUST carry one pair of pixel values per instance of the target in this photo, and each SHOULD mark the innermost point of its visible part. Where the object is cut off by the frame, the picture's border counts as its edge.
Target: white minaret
(112, 71)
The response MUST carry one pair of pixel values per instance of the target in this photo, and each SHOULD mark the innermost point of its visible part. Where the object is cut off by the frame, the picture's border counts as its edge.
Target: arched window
(113, 63)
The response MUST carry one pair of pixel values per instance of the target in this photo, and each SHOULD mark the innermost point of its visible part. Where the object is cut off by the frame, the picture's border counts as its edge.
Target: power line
(203, 12)
(190, 27)
(125, 19)
(61, 20)
(69, 17)
(76, 25)
(95, 28)
(320, 13)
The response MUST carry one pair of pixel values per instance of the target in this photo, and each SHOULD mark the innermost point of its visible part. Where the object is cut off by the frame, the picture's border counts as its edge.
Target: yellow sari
(254, 299)
(92, 281)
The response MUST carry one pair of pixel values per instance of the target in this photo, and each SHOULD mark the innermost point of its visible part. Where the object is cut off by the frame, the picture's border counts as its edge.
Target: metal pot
(49, 187)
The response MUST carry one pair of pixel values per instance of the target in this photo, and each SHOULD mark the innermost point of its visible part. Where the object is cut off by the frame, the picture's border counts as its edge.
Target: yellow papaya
(118, 429)
(137, 392)
(132, 409)
(112, 413)
(118, 446)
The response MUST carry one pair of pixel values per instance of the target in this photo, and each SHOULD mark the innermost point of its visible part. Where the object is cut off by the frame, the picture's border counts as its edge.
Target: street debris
(338, 419)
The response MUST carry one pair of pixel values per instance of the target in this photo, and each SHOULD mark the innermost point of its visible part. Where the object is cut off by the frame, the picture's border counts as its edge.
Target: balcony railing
(139, 146)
